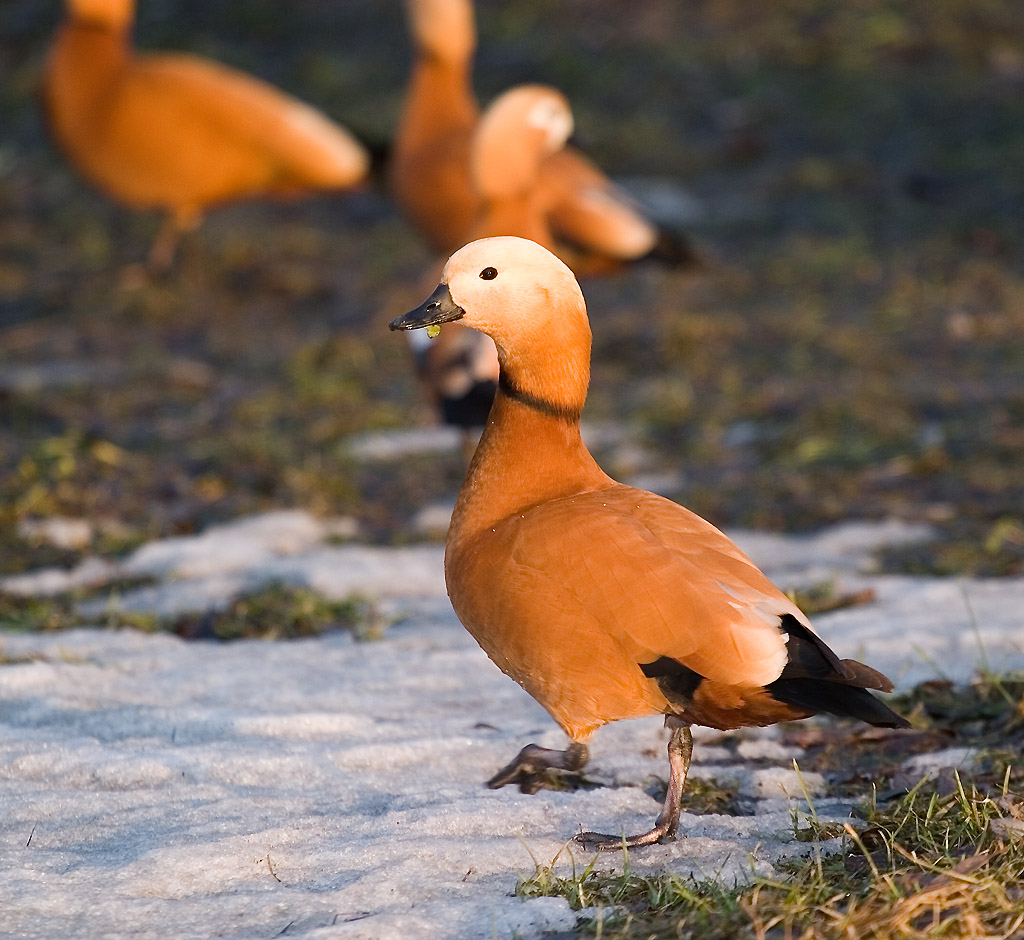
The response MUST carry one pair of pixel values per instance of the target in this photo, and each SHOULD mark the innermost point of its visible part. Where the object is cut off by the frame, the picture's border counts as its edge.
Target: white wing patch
(757, 612)
(556, 122)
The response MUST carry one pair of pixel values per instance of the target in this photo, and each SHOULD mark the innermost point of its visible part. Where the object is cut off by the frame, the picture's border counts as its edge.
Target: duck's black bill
(437, 308)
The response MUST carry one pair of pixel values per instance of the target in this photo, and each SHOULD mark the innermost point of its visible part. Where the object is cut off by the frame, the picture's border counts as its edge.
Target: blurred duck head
(443, 29)
(518, 130)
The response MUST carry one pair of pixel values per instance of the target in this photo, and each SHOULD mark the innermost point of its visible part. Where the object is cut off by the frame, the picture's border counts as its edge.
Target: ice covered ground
(323, 788)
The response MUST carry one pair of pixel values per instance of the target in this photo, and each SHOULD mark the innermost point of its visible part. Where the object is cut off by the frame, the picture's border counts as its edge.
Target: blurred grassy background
(857, 351)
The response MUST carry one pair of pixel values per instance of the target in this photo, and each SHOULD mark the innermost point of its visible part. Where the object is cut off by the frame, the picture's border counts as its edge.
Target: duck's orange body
(604, 601)
(178, 133)
(630, 578)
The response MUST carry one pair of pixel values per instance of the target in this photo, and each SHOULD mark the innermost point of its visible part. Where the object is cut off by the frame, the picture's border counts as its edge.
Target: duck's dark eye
(489, 274)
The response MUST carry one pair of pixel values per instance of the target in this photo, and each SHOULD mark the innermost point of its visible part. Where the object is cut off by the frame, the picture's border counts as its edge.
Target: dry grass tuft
(944, 860)
(276, 612)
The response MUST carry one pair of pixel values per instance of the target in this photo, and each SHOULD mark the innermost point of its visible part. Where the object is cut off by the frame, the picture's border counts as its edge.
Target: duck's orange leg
(165, 245)
(680, 749)
(531, 765)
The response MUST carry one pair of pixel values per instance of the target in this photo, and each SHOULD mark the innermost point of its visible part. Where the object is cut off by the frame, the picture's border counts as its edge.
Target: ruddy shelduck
(179, 133)
(604, 601)
(459, 369)
(431, 171)
(459, 176)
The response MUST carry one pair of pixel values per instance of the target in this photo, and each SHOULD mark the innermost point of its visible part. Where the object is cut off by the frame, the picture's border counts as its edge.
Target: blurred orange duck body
(180, 133)
(432, 174)
(520, 130)
(602, 600)
(519, 133)
(459, 176)
(429, 166)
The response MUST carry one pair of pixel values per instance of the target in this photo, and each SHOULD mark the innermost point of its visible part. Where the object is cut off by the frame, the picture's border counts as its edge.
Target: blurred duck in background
(429, 162)
(431, 175)
(180, 133)
(459, 175)
(517, 135)
(521, 128)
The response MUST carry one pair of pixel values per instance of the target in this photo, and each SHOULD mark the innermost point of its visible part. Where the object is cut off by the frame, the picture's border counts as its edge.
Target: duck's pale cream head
(529, 303)
(509, 288)
(112, 14)
(517, 131)
(444, 29)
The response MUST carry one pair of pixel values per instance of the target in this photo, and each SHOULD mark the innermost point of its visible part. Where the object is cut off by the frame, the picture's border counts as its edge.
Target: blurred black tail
(378, 147)
(676, 250)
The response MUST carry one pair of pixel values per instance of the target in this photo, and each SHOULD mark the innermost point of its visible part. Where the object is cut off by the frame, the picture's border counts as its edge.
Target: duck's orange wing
(661, 581)
(590, 211)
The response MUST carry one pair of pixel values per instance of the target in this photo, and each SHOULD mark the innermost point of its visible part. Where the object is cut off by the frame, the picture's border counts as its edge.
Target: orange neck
(525, 457)
(440, 100)
(430, 160)
(85, 61)
(531, 449)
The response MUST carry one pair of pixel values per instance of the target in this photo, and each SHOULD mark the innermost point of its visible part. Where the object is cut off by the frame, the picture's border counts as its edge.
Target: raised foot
(536, 767)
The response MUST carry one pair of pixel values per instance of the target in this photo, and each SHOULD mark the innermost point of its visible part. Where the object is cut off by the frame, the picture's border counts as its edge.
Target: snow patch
(330, 788)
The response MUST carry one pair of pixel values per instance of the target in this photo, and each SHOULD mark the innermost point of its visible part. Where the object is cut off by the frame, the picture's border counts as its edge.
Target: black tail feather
(809, 655)
(865, 677)
(811, 658)
(676, 250)
(836, 698)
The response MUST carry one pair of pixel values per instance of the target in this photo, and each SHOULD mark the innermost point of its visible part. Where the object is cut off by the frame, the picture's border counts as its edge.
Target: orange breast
(570, 597)
(537, 632)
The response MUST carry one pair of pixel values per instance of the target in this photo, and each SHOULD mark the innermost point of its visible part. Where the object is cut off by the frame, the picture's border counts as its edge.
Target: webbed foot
(680, 749)
(536, 767)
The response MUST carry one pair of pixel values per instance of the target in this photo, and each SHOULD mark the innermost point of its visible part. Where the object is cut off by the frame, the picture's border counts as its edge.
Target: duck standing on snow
(180, 133)
(605, 601)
